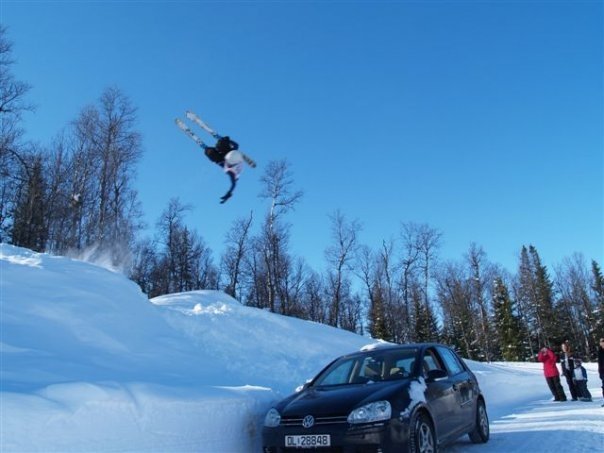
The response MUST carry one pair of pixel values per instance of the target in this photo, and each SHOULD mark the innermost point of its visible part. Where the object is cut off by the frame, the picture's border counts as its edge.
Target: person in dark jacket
(552, 375)
(580, 380)
(567, 361)
(601, 364)
(223, 146)
(225, 154)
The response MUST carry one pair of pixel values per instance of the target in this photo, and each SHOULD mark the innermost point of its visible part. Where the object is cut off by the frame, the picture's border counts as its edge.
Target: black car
(412, 398)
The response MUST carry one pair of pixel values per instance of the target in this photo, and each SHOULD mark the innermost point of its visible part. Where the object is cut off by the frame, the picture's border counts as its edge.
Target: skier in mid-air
(224, 153)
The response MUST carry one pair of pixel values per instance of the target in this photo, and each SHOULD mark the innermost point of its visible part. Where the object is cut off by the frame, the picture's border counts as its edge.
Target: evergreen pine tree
(526, 303)
(507, 323)
(377, 316)
(544, 300)
(598, 291)
(426, 326)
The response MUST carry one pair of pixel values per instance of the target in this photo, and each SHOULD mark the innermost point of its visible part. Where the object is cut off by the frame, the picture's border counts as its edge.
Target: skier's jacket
(224, 145)
(580, 374)
(548, 358)
(567, 362)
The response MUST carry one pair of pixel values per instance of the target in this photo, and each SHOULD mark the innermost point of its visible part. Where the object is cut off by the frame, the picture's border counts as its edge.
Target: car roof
(374, 346)
(377, 347)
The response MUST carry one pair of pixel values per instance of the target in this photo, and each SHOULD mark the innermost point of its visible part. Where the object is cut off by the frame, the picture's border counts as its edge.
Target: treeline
(77, 194)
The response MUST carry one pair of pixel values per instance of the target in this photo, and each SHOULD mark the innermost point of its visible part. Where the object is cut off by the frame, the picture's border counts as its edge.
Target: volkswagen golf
(399, 398)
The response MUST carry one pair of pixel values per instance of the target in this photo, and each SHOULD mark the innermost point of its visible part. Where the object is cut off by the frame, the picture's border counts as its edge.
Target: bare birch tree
(237, 247)
(340, 259)
(15, 171)
(272, 243)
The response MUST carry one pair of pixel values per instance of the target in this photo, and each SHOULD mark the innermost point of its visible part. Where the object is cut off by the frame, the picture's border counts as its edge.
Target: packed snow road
(543, 425)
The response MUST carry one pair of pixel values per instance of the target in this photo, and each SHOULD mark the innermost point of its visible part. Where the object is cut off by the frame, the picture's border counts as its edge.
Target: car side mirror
(303, 386)
(435, 375)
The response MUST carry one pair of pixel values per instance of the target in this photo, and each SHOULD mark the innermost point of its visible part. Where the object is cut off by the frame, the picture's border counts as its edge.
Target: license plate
(308, 441)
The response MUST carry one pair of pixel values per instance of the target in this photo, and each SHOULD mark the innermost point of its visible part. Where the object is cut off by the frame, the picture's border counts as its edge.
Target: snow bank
(255, 345)
(88, 363)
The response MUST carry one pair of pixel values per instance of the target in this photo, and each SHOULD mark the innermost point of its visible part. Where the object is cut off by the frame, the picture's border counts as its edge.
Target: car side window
(431, 361)
(452, 363)
(339, 375)
(401, 368)
(371, 369)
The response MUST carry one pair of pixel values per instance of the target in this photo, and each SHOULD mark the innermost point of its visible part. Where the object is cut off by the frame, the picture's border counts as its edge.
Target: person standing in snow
(601, 364)
(567, 361)
(552, 375)
(580, 380)
(225, 154)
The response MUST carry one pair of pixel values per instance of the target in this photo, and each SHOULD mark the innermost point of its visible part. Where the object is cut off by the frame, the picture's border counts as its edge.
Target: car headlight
(272, 419)
(372, 412)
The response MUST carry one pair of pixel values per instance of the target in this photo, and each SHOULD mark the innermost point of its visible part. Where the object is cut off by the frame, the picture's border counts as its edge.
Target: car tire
(481, 432)
(422, 438)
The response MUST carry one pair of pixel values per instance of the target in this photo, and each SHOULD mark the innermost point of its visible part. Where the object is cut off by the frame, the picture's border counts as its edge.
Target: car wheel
(480, 435)
(422, 438)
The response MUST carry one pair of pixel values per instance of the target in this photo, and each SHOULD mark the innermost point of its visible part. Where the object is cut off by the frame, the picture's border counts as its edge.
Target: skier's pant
(582, 390)
(571, 384)
(556, 388)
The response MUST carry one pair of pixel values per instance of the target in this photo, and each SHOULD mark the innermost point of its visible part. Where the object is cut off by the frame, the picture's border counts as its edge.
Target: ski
(183, 127)
(248, 160)
(197, 120)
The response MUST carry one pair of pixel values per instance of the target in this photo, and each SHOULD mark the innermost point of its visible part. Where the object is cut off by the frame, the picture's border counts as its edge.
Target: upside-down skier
(224, 153)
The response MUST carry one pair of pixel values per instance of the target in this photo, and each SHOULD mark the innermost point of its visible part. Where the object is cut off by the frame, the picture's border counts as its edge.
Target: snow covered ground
(88, 363)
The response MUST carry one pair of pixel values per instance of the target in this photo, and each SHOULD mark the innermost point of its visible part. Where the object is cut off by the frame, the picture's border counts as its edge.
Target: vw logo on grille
(308, 421)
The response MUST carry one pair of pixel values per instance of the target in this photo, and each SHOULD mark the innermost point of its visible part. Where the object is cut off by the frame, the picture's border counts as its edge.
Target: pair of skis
(195, 119)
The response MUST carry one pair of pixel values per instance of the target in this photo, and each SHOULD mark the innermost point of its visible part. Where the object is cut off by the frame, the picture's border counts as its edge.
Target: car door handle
(461, 384)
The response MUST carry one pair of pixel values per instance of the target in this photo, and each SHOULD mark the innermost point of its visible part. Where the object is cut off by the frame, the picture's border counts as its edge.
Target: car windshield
(374, 366)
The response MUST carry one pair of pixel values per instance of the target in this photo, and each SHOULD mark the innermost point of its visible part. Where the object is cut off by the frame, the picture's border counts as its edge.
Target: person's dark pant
(571, 384)
(602, 379)
(582, 391)
(556, 388)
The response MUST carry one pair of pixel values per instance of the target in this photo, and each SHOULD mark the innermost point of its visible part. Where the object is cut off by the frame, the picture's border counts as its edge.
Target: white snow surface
(89, 364)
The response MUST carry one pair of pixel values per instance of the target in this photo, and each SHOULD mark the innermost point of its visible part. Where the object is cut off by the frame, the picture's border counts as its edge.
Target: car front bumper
(381, 437)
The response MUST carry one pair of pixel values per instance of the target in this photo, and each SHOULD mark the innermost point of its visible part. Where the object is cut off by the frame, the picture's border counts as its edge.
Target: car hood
(338, 400)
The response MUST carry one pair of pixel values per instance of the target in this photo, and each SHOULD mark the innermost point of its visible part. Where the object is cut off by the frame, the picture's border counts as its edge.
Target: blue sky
(483, 119)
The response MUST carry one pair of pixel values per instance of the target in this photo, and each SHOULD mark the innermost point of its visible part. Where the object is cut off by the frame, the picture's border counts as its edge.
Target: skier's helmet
(233, 158)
